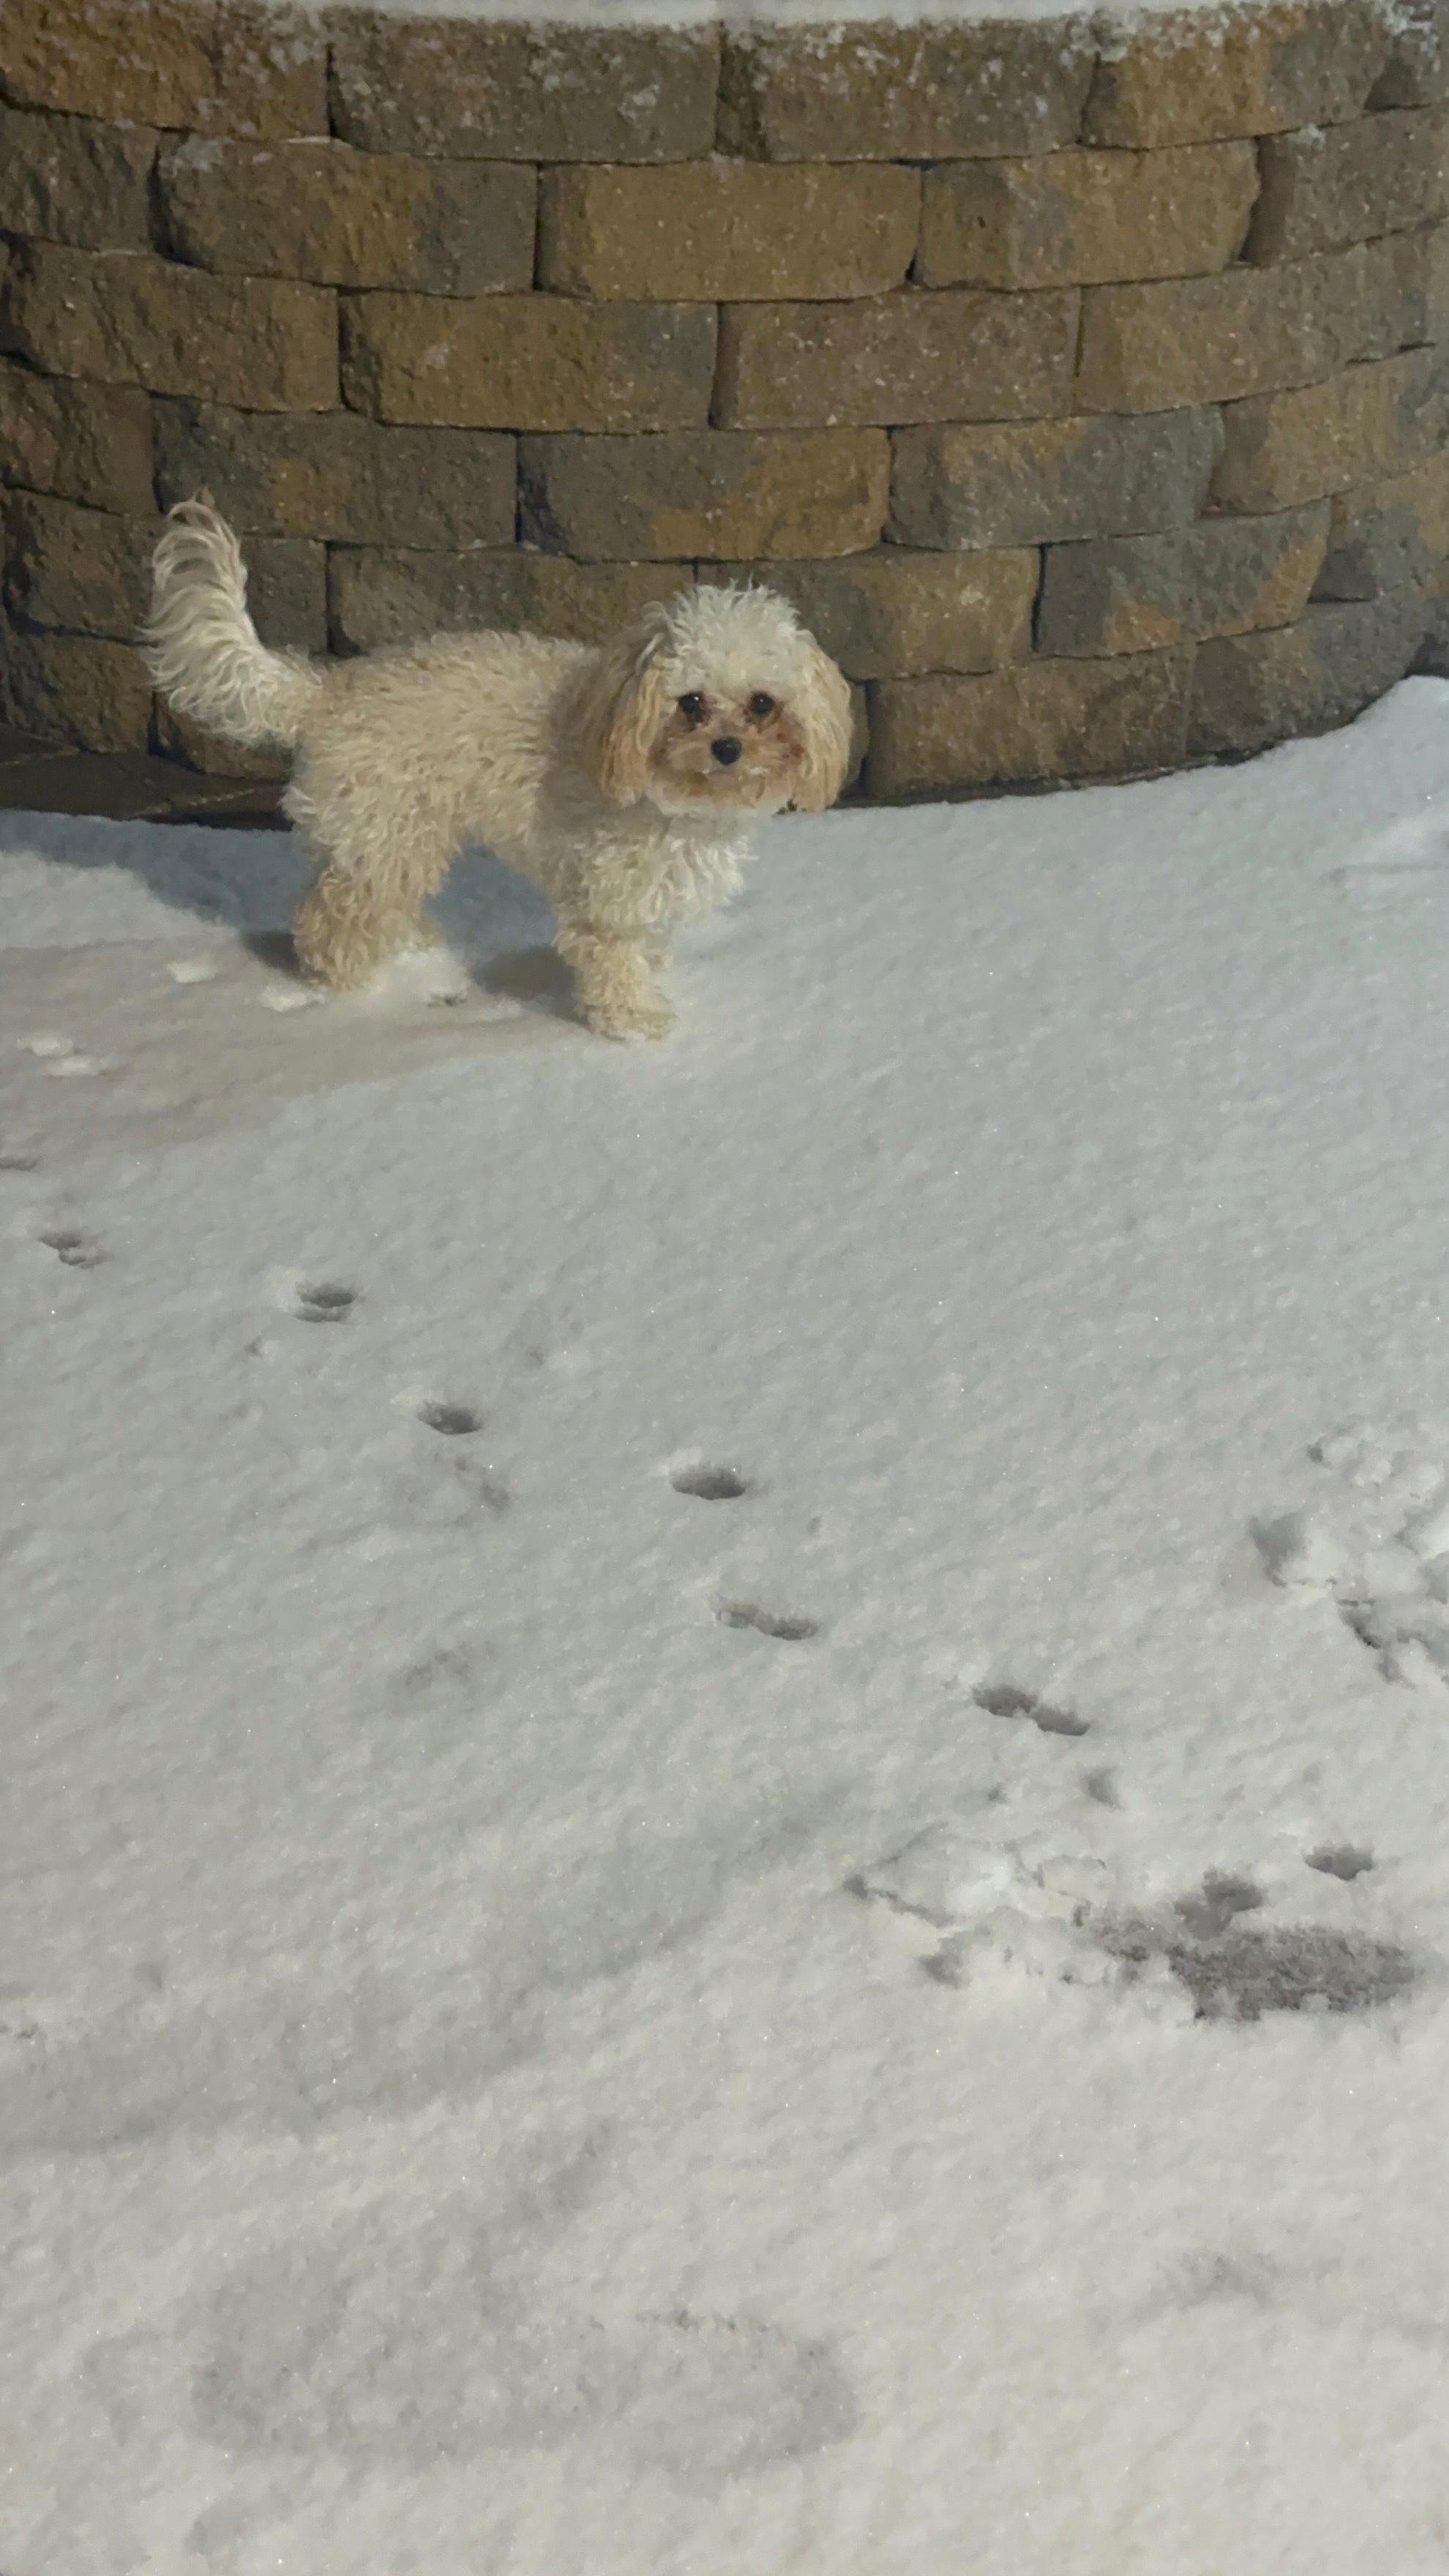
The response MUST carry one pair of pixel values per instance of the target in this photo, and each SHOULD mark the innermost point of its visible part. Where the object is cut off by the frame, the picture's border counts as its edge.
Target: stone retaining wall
(1084, 387)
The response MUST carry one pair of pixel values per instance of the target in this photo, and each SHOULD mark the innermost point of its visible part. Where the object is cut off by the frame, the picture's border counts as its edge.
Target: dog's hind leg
(617, 994)
(364, 907)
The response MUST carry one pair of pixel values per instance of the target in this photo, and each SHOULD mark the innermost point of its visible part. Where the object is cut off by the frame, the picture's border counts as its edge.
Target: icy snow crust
(727, 1766)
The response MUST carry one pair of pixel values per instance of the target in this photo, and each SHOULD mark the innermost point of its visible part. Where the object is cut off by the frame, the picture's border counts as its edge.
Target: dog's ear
(622, 708)
(821, 708)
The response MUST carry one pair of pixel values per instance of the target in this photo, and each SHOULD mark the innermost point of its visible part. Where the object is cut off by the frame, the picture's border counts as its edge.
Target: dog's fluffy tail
(201, 648)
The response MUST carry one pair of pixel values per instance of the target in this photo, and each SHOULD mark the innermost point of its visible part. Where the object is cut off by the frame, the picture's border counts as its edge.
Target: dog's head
(720, 700)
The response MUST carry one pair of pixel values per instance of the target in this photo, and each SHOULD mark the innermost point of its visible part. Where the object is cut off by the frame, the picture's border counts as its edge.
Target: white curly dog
(621, 781)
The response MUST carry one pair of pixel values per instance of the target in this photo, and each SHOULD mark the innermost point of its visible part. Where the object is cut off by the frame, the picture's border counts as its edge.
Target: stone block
(1329, 186)
(1432, 655)
(1028, 724)
(1079, 218)
(1251, 690)
(74, 688)
(722, 493)
(287, 594)
(545, 362)
(497, 90)
(1009, 486)
(1199, 76)
(339, 476)
(908, 357)
(1416, 72)
(733, 230)
(381, 595)
(1405, 294)
(1373, 420)
(842, 92)
(86, 572)
(88, 443)
(342, 218)
(1139, 594)
(213, 66)
(1383, 536)
(69, 179)
(1218, 339)
(265, 343)
(888, 614)
(859, 738)
(79, 570)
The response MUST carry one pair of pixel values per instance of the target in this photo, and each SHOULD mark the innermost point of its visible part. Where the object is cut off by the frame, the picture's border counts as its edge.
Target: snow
(728, 1764)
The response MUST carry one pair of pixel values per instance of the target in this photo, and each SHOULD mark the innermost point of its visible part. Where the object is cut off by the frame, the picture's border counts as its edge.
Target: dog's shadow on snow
(537, 977)
(496, 922)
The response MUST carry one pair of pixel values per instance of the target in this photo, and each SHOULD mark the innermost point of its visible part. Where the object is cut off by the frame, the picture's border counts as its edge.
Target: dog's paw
(653, 1019)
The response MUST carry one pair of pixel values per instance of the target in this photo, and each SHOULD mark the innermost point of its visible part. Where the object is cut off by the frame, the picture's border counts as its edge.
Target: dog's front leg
(617, 994)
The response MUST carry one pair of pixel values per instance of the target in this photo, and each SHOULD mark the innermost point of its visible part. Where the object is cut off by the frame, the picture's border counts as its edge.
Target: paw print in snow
(993, 1911)
(984, 1904)
(1375, 1541)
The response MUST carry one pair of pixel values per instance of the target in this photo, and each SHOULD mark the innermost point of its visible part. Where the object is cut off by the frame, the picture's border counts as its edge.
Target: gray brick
(1010, 486)
(1138, 594)
(339, 476)
(1252, 690)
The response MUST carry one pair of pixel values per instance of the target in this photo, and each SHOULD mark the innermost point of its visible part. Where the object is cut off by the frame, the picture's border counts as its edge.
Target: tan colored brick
(1373, 420)
(1076, 218)
(339, 476)
(75, 689)
(1017, 485)
(126, 319)
(88, 443)
(491, 90)
(735, 230)
(1218, 339)
(889, 614)
(543, 362)
(342, 218)
(845, 92)
(1251, 690)
(68, 179)
(1032, 722)
(1382, 536)
(217, 66)
(889, 358)
(1138, 594)
(1203, 75)
(381, 595)
(721, 493)
(1330, 186)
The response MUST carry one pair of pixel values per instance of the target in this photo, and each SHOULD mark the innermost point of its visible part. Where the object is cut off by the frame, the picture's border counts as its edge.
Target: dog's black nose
(726, 750)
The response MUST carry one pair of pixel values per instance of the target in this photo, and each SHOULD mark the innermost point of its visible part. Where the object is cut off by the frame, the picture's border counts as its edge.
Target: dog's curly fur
(621, 781)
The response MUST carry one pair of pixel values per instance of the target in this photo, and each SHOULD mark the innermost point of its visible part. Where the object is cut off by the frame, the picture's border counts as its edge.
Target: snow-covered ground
(727, 1765)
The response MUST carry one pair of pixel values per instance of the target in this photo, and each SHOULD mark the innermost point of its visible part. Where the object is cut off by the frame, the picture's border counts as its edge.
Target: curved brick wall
(1084, 388)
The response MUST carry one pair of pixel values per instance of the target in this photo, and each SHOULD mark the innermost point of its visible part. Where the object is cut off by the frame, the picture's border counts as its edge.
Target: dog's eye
(692, 705)
(761, 706)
